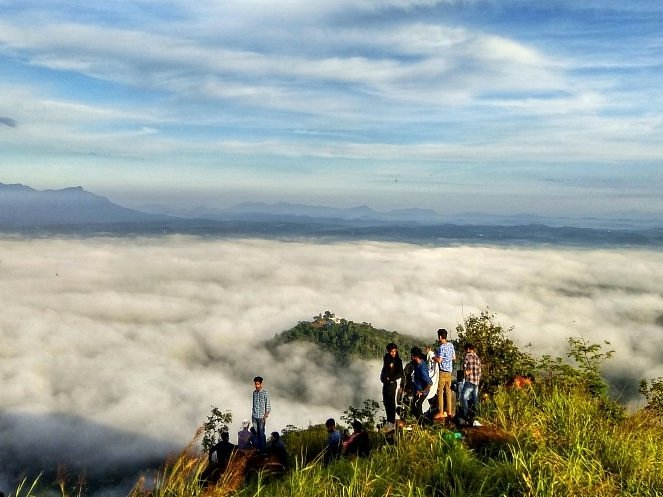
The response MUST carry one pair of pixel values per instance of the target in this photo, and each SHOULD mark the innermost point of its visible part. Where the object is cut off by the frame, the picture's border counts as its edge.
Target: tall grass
(560, 444)
(25, 489)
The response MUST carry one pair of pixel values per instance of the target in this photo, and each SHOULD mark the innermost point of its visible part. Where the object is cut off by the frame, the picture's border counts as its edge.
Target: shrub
(652, 390)
(501, 359)
(217, 422)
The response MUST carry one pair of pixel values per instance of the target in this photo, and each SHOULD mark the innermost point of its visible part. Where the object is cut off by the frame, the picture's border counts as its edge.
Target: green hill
(345, 339)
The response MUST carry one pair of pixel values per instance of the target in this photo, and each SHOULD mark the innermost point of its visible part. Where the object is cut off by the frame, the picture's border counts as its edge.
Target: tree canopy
(345, 339)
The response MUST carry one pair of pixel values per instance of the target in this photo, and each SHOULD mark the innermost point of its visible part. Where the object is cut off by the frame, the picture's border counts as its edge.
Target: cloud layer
(451, 98)
(110, 340)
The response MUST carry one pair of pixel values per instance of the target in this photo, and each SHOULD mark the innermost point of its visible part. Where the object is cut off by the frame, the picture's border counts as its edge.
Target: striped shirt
(261, 404)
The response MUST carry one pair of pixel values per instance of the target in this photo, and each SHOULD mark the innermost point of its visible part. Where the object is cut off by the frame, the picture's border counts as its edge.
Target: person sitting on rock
(244, 436)
(276, 446)
(218, 458)
(357, 443)
(223, 451)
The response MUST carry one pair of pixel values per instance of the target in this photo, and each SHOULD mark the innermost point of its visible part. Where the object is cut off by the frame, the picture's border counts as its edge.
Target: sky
(496, 106)
(114, 349)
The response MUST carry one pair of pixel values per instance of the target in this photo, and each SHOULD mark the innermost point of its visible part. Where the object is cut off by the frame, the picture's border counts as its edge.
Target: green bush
(501, 359)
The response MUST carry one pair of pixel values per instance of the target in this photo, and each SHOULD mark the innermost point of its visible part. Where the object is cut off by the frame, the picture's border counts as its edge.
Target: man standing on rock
(390, 376)
(445, 355)
(469, 399)
(260, 411)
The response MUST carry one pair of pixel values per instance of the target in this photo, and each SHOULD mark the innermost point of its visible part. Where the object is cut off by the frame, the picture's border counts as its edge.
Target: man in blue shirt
(260, 411)
(420, 380)
(445, 355)
(334, 441)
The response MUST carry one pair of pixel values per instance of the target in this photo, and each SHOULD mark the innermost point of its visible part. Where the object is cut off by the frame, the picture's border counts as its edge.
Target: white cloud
(126, 95)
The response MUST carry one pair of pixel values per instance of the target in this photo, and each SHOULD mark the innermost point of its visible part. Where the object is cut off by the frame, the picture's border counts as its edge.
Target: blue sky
(550, 108)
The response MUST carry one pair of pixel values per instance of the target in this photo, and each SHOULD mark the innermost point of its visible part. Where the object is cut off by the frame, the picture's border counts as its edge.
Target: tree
(501, 359)
(555, 373)
(217, 422)
(653, 393)
(588, 357)
(345, 340)
(366, 414)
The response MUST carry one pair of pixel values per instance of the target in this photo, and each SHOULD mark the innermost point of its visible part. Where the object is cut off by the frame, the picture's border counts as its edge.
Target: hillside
(22, 206)
(558, 436)
(344, 339)
(537, 442)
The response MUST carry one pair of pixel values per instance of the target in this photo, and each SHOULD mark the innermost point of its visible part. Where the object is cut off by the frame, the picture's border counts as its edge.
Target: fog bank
(110, 340)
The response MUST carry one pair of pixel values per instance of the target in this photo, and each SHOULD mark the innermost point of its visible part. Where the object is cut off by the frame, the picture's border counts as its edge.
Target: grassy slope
(565, 445)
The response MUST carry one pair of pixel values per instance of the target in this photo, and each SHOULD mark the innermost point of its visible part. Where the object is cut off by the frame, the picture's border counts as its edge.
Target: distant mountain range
(22, 206)
(76, 211)
(289, 211)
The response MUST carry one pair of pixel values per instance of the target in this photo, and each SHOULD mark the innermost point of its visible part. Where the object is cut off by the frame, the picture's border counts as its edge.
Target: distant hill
(285, 211)
(364, 215)
(22, 206)
(74, 211)
(347, 340)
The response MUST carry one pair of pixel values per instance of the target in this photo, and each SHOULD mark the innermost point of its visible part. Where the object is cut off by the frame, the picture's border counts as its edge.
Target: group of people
(429, 374)
(339, 444)
(254, 437)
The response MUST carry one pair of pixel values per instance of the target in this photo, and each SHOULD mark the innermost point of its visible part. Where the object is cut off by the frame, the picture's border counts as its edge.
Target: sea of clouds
(114, 349)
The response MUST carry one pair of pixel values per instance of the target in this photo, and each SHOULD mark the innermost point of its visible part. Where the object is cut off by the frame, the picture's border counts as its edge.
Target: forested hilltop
(344, 339)
(501, 359)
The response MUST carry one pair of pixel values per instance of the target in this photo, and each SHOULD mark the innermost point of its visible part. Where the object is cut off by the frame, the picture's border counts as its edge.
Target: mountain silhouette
(22, 206)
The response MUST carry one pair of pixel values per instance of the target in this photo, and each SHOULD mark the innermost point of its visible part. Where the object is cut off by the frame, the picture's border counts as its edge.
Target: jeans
(259, 427)
(416, 406)
(469, 400)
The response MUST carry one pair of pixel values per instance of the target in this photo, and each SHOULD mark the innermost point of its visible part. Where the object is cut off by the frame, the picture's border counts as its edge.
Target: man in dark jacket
(391, 374)
(277, 447)
(218, 458)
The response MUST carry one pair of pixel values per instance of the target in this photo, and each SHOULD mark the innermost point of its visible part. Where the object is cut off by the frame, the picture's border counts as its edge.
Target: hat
(245, 423)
